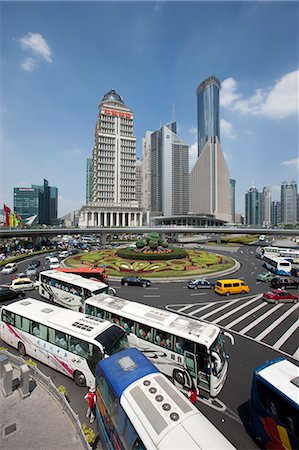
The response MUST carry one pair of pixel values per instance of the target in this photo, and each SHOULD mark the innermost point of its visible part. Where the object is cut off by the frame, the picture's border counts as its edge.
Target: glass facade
(288, 200)
(88, 180)
(26, 201)
(253, 207)
(208, 121)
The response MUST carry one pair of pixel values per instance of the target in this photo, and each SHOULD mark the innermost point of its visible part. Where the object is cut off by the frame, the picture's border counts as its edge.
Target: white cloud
(293, 163)
(226, 129)
(276, 102)
(36, 43)
(28, 64)
(75, 152)
(193, 130)
(192, 155)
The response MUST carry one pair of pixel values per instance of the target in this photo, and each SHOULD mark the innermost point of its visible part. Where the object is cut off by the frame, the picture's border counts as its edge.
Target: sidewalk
(35, 422)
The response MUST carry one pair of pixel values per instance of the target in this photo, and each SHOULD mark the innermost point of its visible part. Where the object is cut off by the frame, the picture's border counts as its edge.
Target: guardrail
(50, 387)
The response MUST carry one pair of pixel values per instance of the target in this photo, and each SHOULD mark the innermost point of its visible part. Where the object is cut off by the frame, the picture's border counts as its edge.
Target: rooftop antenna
(173, 113)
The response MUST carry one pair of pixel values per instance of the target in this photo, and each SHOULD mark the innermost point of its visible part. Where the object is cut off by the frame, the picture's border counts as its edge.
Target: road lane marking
(152, 296)
(199, 293)
(244, 316)
(296, 354)
(184, 308)
(286, 335)
(273, 325)
(200, 309)
(231, 311)
(259, 319)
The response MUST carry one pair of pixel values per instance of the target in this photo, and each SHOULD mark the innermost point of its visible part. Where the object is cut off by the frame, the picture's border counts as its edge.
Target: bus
(277, 265)
(69, 290)
(68, 341)
(275, 404)
(187, 350)
(96, 273)
(137, 407)
(291, 254)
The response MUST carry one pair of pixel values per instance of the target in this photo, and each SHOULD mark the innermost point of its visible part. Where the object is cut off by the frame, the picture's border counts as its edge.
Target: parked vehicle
(8, 294)
(200, 283)
(265, 276)
(23, 284)
(31, 271)
(279, 295)
(9, 268)
(135, 281)
(227, 287)
(284, 283)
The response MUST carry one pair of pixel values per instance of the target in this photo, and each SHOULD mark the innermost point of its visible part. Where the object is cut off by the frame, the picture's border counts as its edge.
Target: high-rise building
(168, 159)
(288, 200)
(88, 180)
(146, 176)
(113, 168)
(40, 200)
(233, 198)
(266, 202)
(275, 213)
(253, 207)
(210, 190)
(139, 182)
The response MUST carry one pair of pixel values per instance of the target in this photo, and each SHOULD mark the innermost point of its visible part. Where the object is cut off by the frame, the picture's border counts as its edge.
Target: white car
(31, 271)
(54, 263)
(63, 254)
(23, 284)
(9, 268)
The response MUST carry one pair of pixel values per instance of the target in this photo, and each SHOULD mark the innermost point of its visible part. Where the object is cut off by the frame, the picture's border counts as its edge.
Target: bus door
(191, 366)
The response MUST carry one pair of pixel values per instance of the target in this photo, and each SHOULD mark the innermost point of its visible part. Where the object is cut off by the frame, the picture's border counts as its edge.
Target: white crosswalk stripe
(284, 327)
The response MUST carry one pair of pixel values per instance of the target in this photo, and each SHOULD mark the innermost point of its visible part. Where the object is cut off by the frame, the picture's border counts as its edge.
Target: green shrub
(176, 253)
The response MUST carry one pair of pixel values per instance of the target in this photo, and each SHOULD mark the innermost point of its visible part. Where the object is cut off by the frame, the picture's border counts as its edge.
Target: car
(63, 254)
(135, 281)
(279, 295)
(265, 276)
(8, 294)
(54, 263)
(35, 263)
(200, 283)
(262, 237)
(49, 256)
(19, 275)
(23, 284)
(295, 270)
(284, 283)
(9, 268)
(31, 271)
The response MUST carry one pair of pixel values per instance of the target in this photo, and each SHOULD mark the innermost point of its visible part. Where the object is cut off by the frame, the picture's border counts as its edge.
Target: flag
(12, 220)
(7, 213)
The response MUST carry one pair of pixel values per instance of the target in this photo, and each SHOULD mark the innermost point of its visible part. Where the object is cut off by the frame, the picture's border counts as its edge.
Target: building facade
(275, 213)
(169, 172)
(113, 168)
(146, 176)
(139, 182)
(288, 202)
(88, 180)
(210, 188)
(40, 200)
(266, 202)
(233, 198)
(253, 207)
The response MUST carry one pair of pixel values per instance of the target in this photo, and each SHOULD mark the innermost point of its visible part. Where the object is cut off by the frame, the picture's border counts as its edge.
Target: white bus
(291, 254)
(69, 290)
(277, 265)
(185, 349)
(65, 340)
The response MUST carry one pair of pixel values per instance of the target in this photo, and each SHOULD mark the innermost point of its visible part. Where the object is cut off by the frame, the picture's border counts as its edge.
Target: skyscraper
(88, 180)
(253, 207)
(266, 202)
(233, 198)
(288, 202)
(210, 191)
(168, 159)
(113, 167)
(139, 181)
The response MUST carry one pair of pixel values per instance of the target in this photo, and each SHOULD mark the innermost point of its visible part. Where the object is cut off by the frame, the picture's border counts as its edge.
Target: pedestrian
(192, 394)
(91, 403)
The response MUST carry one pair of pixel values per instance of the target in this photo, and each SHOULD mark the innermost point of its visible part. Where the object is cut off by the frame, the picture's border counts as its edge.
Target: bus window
(163, 339)
(35, 329)
(115, 319)
(8, 317)
(60, 339)
(128, 325)
(25, 324)
(144, 332)
(79, 347)
(18, 321)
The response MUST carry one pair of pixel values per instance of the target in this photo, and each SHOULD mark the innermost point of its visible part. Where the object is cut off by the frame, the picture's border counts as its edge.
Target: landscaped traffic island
(154, 258)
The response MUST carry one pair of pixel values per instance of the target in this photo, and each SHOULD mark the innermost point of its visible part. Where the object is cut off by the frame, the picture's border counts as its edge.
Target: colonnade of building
(110, 219)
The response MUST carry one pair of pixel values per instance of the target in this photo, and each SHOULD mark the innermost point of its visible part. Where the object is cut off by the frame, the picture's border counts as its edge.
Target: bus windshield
(218, 354)
(113, 340)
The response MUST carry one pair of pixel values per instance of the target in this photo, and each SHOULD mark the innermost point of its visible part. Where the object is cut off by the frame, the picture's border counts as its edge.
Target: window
(8, 317)
(163, 339)
(227, 285)
(236, 284)
(35, 329)
(144, 332)
(128, 325)
(58, 338)
(79, 347)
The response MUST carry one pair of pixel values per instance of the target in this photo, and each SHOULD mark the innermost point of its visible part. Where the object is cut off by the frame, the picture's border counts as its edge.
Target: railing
(50, 387)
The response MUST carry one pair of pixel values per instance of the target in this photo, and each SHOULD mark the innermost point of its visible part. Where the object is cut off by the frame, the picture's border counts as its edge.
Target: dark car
(200, 283)
(135, 281)
(8, 294)
(284, 283)
(35, 263)
(295, 270)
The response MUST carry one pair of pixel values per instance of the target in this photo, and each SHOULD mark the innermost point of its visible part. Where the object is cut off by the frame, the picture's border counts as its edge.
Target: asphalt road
(253, 344)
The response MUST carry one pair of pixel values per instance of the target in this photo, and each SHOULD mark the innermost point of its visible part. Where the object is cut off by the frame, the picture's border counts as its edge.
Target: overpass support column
(218, 238)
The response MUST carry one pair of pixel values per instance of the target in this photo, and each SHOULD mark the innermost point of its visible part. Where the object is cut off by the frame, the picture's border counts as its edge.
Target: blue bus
(138, 408)
(275, 405)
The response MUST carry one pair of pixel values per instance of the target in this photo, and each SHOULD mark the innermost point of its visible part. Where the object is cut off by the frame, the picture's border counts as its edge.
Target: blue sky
(60, 58)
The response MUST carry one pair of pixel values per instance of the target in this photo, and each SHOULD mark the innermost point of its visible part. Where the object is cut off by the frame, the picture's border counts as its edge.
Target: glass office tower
(208, 121)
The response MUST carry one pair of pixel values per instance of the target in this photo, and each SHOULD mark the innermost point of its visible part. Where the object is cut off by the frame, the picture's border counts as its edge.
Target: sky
(60, 57)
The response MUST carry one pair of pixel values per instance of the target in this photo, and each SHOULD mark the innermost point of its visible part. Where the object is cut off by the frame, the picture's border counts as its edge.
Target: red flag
(7, 212)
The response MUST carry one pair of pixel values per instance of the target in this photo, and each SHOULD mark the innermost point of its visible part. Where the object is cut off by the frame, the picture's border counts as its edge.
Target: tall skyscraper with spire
(113, 167)
(209, 179)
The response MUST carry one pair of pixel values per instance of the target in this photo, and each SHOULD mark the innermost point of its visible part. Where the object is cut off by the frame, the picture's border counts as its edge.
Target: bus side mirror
(230, 337)
(111, 291)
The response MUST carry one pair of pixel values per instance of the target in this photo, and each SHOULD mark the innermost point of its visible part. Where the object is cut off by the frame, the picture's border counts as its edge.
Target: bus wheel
(227, 294)
(21, 348)
(81, 309)
(179, 377)
(126, 283)
(79, 379)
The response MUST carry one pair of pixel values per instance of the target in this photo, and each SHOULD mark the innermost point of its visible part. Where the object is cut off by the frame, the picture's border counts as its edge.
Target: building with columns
(113, 168)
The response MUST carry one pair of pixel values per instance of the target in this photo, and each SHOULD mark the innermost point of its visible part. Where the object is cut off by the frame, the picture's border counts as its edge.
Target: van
(227, 287)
